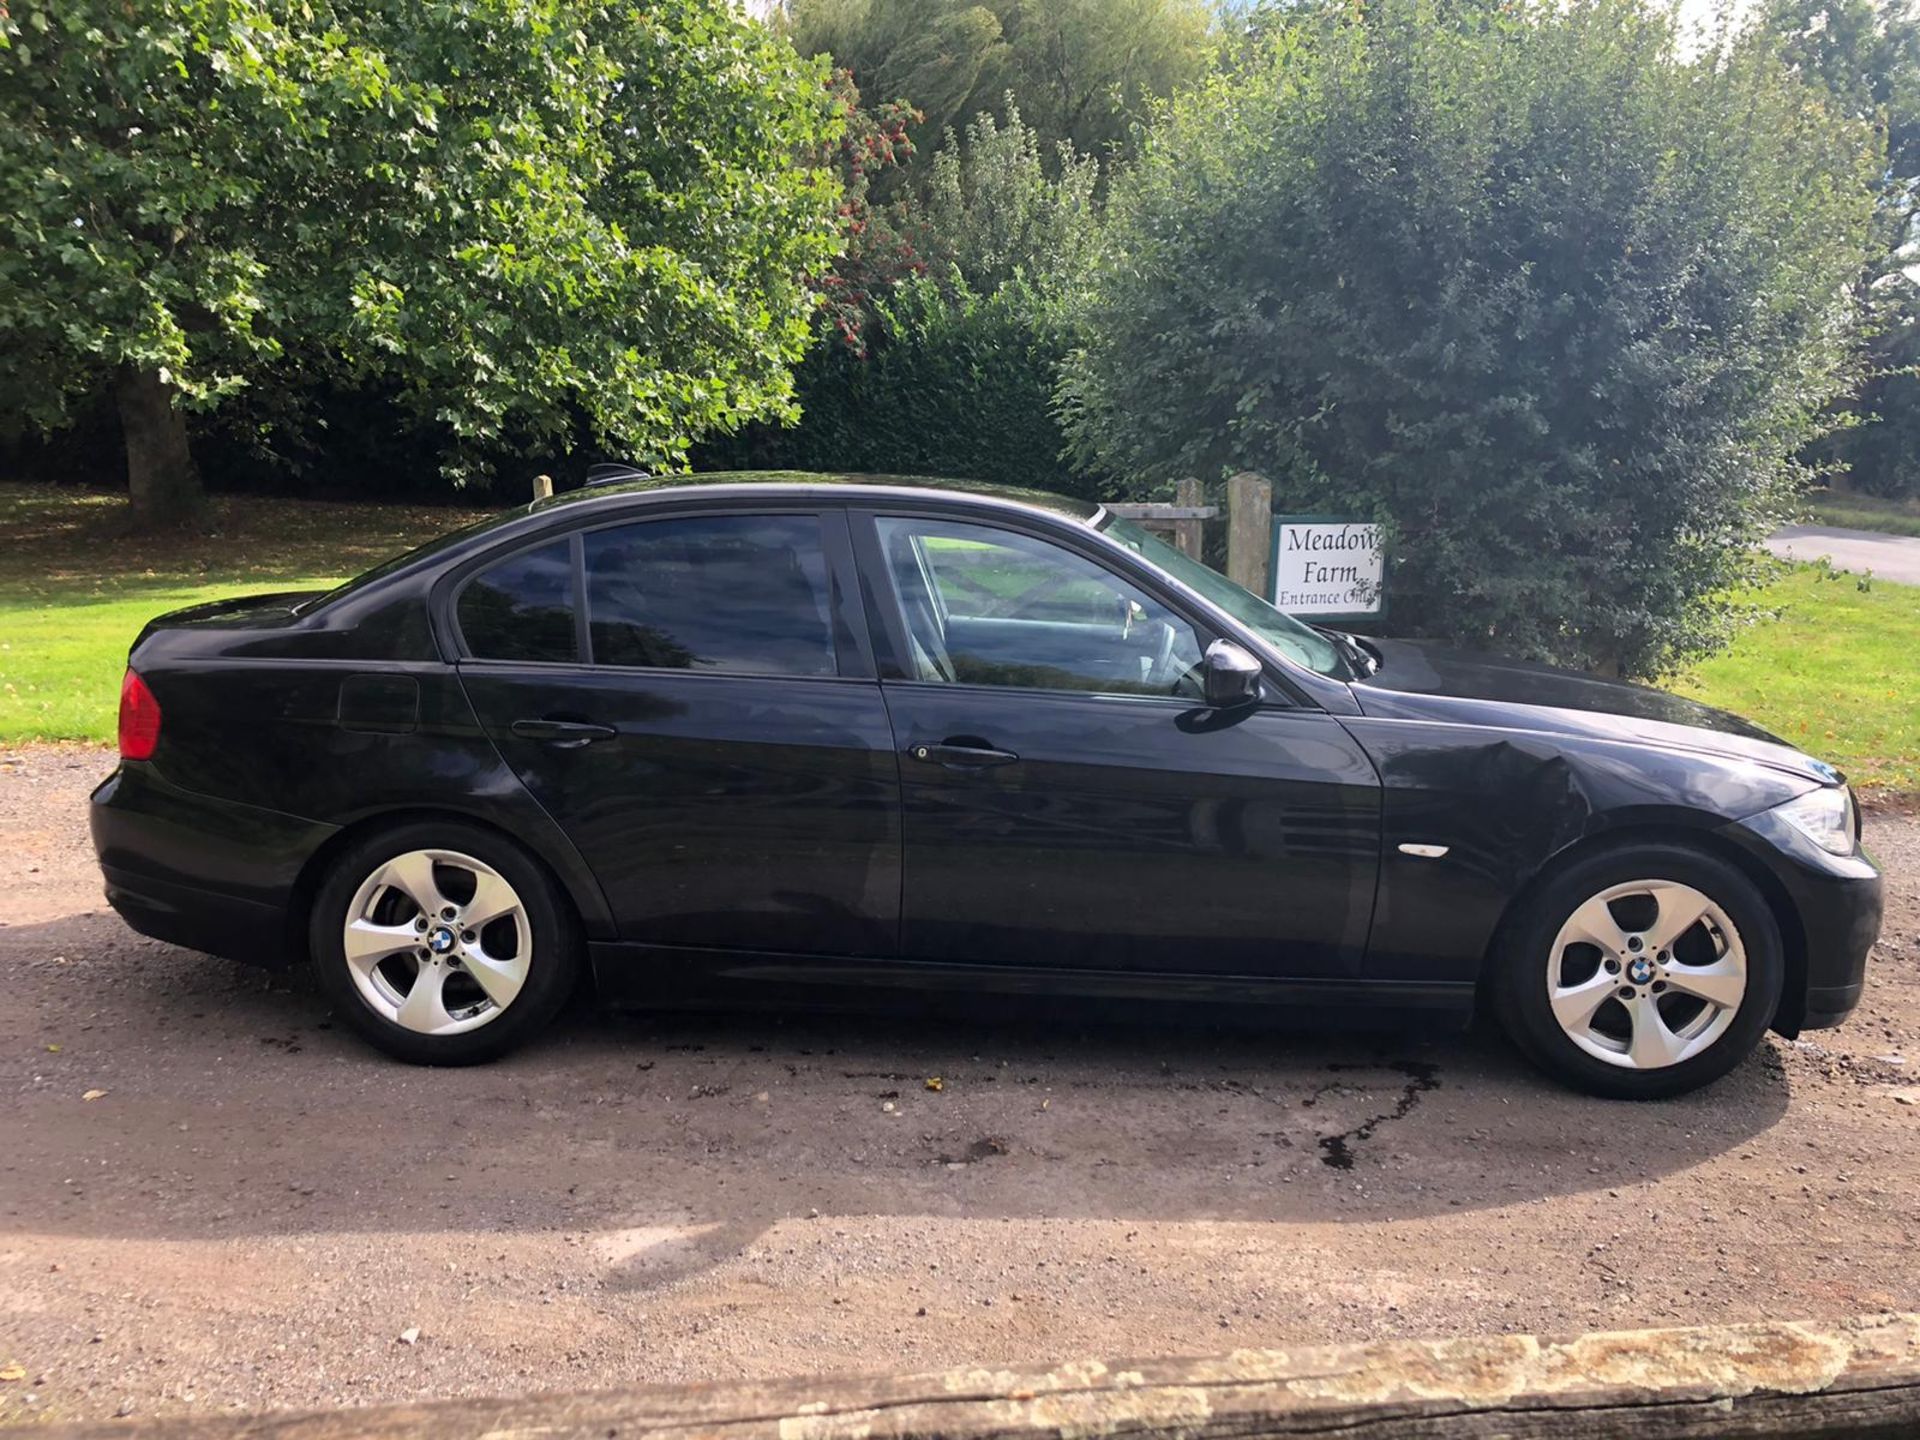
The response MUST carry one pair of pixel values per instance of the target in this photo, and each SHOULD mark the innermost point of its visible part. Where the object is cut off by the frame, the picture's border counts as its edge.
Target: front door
(687, 699)
(1068, 800)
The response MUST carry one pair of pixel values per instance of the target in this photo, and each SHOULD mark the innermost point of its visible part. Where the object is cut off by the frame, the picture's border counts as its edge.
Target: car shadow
(233, 1103)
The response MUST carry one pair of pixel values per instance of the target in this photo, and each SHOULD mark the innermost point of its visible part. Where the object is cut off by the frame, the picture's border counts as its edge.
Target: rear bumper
(200, 919)
(208, 874)
(1837, 899)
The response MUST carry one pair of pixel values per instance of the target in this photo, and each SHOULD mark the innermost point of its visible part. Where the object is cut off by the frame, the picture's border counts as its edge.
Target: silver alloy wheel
(437, 942)
(1646, 974)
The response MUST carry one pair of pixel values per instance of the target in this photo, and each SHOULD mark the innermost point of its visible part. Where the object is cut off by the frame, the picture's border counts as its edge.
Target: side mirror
(1232, 675)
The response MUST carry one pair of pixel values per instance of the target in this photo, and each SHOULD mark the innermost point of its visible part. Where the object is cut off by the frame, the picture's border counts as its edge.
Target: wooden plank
(1157, 510)
(1189, 533)
(1249, 531)
(1853, 1378)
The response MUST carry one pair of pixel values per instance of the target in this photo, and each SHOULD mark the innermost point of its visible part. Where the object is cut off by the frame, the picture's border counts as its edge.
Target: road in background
(1889, 557)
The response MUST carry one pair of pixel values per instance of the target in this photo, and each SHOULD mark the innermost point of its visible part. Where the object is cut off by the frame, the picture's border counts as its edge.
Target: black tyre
(1640, 971)
(442, 942)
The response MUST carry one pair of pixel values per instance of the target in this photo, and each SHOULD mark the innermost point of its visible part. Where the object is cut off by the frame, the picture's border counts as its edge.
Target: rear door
(691, 698)
(1070, 802)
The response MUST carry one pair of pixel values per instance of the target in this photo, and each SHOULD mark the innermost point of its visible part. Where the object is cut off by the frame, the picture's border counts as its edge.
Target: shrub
(993, 212)
(1557, 305)
(959, 366)
(1085, 71)
(1863, 56)
(954, 383)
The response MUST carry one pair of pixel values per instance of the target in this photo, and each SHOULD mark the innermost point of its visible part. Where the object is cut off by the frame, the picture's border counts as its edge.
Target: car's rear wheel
(442, 942)
(1640, 971)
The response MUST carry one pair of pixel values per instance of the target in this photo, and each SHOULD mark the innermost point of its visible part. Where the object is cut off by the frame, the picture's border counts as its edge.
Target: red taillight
(139, 719)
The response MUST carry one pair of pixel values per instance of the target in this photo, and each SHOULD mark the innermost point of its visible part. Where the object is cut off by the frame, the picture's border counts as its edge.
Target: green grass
(1837, 674)
(1866, 512)
(75, 588)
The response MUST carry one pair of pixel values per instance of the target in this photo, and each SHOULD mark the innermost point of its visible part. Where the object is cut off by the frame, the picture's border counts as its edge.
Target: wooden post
(1189, 534)
(543, 487)
(1249, 531)
(1812, 1380)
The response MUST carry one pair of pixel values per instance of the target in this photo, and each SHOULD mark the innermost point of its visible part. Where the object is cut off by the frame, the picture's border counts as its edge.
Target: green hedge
(955, 384)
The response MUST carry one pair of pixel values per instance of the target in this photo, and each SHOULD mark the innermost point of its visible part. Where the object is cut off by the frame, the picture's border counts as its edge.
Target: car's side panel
(1501, 803)
(758, 811)
(1144, 835)
(272, 734)
(725, 808)
(1131, 834)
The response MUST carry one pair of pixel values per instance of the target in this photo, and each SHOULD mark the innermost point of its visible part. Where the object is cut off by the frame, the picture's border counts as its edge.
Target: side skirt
(659, 976)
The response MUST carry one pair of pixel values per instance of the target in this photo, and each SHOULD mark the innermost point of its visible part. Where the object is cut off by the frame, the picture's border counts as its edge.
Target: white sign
(1326, 568)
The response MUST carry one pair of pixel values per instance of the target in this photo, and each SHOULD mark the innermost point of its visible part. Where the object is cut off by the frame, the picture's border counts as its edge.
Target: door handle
(962, 757)
(563, 734)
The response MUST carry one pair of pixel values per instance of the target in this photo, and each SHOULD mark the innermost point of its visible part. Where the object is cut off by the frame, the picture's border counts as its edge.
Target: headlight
(1824, 816)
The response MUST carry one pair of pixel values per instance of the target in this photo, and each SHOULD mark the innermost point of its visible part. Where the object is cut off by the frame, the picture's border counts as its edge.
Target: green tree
(1086, 71)
(1557, 305)
(992, 211)
(935, 55)
(1865, 55)
(952, 383)
(1865, 58)
(1880, 449)
(875, 255)
(956, 372)
(1081, 71)
(529, 214)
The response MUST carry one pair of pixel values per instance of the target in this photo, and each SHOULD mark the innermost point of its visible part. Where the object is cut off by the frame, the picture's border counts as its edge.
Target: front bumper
(208, 874)
(1835, 900)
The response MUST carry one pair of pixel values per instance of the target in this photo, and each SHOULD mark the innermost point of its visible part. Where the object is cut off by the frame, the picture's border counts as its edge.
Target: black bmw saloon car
(800, 739)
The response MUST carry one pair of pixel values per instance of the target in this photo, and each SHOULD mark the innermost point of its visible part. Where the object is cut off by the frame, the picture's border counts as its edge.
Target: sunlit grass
(1837, 674)
(75, 590)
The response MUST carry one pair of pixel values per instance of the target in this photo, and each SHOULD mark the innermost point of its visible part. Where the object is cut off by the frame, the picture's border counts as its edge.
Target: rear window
(522, 608)
(741, 593)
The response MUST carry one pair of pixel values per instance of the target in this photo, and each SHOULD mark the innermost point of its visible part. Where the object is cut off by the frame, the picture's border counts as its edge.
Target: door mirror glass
(1232, 675)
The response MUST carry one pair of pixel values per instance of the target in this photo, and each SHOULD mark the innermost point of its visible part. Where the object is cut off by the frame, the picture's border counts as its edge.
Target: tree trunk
(162, 479)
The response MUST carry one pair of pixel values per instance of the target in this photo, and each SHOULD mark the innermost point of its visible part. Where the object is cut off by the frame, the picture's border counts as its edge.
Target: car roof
(767, 484)
(790, 483)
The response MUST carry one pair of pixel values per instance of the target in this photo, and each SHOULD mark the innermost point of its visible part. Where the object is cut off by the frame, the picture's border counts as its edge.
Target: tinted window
(522, 608)
(995, 607)
(742, 593)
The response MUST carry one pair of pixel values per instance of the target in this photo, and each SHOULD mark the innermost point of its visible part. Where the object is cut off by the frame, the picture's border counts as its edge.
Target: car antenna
(613, 473)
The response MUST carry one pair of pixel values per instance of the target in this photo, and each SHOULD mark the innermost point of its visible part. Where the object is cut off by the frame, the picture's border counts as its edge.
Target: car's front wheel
(1640, 971)
(442, 942)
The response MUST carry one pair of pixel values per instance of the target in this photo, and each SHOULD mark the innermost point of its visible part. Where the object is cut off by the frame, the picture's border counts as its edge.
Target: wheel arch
(1793, 936)
(314, 871)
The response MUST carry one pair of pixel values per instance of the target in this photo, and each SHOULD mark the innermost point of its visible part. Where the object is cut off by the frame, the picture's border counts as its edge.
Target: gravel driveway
(254, 1210)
